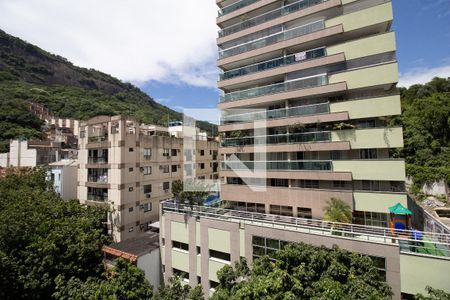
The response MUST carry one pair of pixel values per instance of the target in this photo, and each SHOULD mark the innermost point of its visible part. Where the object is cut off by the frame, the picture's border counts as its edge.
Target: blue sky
(172, 56)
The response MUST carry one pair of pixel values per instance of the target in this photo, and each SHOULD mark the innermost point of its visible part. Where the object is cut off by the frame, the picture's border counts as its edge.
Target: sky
(167, 47)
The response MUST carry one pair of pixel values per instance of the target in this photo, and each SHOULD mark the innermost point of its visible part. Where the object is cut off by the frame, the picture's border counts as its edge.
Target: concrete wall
(151, 264)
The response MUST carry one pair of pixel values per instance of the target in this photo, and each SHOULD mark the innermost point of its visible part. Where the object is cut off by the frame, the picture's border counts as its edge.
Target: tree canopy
(301, 271)
(426, 125)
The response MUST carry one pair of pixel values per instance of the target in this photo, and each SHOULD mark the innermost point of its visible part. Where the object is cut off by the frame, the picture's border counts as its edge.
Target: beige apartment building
(308, 92)
(130, 167)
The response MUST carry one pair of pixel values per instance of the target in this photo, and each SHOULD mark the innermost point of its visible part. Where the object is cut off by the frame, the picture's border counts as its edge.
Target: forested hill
(30, 73)
(426, 123)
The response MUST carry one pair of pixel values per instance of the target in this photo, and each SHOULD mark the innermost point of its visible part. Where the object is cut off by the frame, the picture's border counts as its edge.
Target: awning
(399, 209)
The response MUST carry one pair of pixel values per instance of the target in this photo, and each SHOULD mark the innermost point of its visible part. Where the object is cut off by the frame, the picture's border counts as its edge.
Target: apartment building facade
(130, 167)
(308, 91)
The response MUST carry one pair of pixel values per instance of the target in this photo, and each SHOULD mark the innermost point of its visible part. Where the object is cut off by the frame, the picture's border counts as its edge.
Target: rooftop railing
(303, 110)
(290, 138)
(274, 63)
(279, 12)
(235, 6)
(272, 39)
(297, 84)
(412, 242)
(293, 165)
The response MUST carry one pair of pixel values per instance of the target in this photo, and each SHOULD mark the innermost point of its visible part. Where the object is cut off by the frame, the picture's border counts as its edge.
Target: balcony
(370, 137)
(98, 178)
(294, 165)
(97, 139)
(297, 84)
(303, 110)
(98, 160)
(372, 169)
(272, 39)
(293, 138)
(274, 63)
(235, 6)
(279, 12)
(404, 241)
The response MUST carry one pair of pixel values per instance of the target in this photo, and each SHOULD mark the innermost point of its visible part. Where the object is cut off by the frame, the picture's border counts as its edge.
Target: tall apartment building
(308, 90)
(322, 76)
(131, 167)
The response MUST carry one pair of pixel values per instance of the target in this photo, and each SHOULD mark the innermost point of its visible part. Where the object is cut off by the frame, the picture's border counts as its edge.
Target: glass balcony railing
(98, 179)
(99, 198)
(235, 6)
(278, 165)
(272, 39)
(304, 110)
(274, 63)
(97, 160)
(273, 14)
(297, 84)
(292, 138)
(97, 139)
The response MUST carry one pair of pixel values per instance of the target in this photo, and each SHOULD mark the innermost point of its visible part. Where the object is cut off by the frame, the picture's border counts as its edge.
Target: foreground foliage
(124, 281)
(301, 271)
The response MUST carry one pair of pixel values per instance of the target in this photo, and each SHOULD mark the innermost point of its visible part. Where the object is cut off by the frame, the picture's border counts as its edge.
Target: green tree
(433, 294)
(42, 237)
(124, 281)
(337, 210)
(176, 290)
(196, 191)
(301, 271)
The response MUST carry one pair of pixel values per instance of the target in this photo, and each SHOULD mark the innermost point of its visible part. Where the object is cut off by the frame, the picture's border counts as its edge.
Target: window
(202, 152)
(279, 182)
(199, 280)
(370, 185)
(213, 284)
(380, 264)
(147, 207)
(307, 184)
(130, 169)
(368, 153)
(147, 153)
(173, 152)
(336, 155)
(219, 255)
(180, 245)
(147, 188)
(339, 184)
(264, 246)
(281, 210)
(165, 168)
(369, 218)
(130, 150)
(198, 250)
(166, 185)
(130, 189)
(366, 124)
(147, 170)
(174, 168)
(130, 209)
(166, 152)
(202, 166)
(304, 212)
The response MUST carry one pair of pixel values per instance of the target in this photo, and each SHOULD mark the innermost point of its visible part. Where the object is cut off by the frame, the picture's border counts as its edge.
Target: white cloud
(170, 41)
(422, 75)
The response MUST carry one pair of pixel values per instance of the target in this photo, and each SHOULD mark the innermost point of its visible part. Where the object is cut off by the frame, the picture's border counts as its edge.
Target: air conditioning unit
(148, 195)
(142, 169)
(166, 191)
(141, 206)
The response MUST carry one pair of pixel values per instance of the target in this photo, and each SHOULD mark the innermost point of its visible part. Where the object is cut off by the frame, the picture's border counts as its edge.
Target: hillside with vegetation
(426, 123)
(28, 73)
